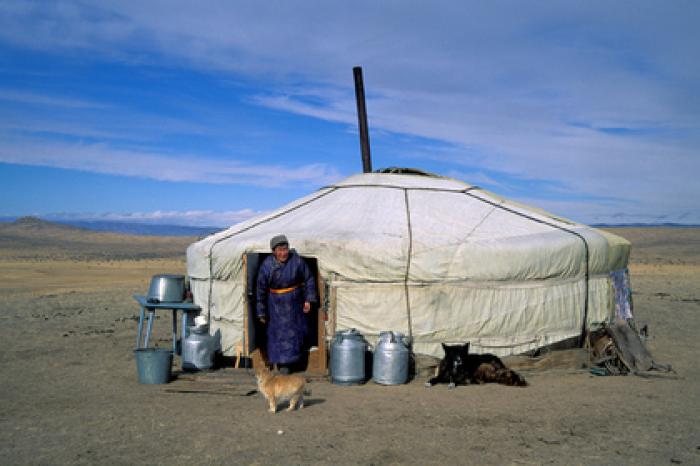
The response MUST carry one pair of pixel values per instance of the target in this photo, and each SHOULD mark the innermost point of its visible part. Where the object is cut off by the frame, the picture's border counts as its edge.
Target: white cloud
(103, 158)
(340, 112)
(200, 218)
(32, 98)
(618, 213)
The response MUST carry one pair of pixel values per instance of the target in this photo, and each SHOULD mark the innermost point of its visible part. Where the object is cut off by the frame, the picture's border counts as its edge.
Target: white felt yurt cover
(429, 256)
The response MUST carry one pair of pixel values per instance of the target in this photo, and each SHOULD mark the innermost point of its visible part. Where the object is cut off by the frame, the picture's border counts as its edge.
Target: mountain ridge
(110, 226)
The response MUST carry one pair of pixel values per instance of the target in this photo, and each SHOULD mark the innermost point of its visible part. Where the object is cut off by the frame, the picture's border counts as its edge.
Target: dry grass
(37, 240)
(62, 276)
(662, 245)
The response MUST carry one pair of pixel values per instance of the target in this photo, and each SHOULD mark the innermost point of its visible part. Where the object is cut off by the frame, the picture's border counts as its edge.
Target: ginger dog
(277, 388)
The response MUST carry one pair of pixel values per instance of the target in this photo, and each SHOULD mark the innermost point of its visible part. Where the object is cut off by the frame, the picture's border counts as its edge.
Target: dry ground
(69, 391)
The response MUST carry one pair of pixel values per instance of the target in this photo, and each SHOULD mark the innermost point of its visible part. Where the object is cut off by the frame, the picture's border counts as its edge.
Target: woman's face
(281, 253)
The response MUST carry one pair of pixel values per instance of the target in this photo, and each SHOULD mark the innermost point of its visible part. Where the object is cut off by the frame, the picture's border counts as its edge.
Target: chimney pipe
(362, 120)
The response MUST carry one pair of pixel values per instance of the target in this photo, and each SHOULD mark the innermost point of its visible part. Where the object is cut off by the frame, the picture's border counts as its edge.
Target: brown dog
(490, 373)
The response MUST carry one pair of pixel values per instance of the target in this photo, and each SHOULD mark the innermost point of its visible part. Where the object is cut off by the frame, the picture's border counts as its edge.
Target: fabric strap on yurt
(408, 267)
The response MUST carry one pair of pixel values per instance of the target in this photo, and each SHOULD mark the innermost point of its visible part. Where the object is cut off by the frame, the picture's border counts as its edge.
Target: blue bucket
(153, 365)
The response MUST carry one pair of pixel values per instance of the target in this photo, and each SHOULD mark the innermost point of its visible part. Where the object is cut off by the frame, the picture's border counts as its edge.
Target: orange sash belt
(284, 290)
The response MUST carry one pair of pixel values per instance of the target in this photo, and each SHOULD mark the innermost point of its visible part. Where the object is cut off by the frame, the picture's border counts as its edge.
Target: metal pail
(153, 365)
(167, 288)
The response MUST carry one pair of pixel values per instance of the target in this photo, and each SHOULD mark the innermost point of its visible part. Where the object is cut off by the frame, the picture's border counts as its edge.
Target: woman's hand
(307, 307)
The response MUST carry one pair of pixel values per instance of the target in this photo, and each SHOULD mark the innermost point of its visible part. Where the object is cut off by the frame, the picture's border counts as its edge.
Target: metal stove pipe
(362, 120)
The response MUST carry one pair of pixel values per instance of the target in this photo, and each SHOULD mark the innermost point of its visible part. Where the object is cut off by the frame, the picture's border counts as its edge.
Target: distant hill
(33, 238)
(142, 228)
(129, 228)
(37, 225)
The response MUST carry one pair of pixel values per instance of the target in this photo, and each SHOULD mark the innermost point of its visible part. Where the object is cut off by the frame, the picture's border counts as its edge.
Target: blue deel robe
(287, 325)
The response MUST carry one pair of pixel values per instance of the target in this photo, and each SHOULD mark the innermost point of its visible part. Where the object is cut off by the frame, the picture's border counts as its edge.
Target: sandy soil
(69, 390)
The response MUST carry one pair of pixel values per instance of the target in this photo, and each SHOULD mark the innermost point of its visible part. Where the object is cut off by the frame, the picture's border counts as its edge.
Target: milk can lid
(351, 334)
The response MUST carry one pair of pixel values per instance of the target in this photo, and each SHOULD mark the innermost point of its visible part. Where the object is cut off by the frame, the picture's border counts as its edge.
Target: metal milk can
(348, 357)
(390, 363)
(198, 349)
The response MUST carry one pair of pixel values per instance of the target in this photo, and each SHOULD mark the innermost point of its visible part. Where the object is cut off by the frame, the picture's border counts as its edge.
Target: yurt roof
(411, 225)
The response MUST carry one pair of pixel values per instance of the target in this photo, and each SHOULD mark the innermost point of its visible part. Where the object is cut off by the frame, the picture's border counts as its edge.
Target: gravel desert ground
(70, 394)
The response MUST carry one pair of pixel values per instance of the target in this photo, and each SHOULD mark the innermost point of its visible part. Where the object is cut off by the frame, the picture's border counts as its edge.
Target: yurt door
(315, 360)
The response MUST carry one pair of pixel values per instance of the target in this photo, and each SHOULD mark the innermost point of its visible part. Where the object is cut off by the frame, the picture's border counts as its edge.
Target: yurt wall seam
(481, 222)
(265, 220)
(559, 227)
(408, 266)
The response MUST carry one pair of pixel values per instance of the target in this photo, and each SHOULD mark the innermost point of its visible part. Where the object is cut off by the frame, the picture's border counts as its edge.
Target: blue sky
(206, 113)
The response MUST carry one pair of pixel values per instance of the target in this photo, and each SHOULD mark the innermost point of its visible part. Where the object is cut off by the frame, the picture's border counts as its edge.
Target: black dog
(458, 367)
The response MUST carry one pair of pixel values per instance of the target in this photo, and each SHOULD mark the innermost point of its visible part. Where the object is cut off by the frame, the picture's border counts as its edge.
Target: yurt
(429, 256)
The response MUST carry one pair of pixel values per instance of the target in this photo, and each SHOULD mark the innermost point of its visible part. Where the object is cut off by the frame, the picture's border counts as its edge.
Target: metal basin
(167, 288)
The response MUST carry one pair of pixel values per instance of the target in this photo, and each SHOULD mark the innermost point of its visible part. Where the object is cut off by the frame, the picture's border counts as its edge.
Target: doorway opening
(314, 359)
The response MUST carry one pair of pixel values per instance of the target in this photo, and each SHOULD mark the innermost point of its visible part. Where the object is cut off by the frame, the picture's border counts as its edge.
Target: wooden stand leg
(239, 353)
